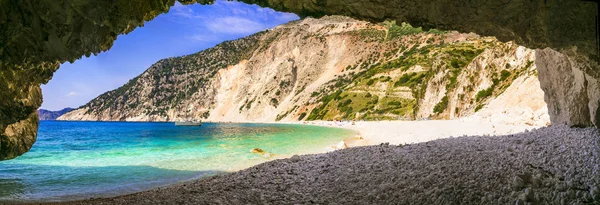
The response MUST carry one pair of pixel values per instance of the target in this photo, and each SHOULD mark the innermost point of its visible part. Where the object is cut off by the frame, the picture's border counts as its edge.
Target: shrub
(302, 115)
(453, 77)
(529, 64)
(484, 93)
(504, 74)
(410, 79)
(375, 101)
(395, 103)
(284, 83)
(274, 102)
(401, 30)
(371, 82)
(404, 79)
(345, 103)
(441, 106)
(455, 63)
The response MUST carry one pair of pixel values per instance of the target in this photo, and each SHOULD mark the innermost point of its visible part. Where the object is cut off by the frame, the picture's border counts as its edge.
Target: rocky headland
(52, 115)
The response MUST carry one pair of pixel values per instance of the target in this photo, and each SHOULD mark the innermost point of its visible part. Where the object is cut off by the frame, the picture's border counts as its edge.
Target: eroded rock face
(571, 92)
(18, 138)
(534, 24)
(20, 97)
(37, 36)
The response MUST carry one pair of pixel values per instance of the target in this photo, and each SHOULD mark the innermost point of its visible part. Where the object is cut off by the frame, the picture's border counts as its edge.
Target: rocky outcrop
(522, 103)
(19, 137)
(323, 69)
(571, 92)
(37, 36)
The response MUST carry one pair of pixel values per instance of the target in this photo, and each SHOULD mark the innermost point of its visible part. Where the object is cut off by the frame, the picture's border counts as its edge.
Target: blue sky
(184, 30)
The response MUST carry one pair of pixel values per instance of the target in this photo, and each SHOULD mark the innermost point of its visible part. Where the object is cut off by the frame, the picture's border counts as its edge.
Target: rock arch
(35, 37)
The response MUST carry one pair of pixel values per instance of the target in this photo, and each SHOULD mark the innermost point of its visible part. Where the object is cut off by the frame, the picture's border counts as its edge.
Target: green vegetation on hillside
(441, 106)
(173, 80)
(389, 87)
(389, 81)
(500, 82)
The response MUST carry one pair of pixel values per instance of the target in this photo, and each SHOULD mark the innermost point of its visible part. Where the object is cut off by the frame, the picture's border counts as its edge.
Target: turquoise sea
(78, 160)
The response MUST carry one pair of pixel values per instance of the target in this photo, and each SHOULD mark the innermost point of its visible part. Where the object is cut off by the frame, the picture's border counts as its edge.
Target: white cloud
(224, 18)
(203, 38)
(72, 93)
(234, 25)
(185, 12)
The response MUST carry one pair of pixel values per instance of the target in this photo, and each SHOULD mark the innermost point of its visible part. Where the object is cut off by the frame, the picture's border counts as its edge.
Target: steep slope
(52, 115)
(328, 68)
(158, 93)
(441, 77)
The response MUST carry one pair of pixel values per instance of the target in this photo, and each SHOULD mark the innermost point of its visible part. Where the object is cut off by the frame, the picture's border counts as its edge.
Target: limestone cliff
(329, 68)
(563, 31)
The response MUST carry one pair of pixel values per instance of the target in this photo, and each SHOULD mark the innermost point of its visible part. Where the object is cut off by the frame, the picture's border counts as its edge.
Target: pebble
(452, 170)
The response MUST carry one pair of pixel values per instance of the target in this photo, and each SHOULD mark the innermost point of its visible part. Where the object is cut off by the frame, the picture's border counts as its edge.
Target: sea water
(79, 160)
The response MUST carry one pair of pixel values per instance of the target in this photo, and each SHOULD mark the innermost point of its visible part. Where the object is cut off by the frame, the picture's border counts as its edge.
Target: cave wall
(36, 36)
(571, 90)
(532, 23)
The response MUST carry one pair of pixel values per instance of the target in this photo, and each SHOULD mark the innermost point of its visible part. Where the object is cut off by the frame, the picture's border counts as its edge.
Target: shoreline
(504, 169)
(372, 133)
(392, 132)
(411, 132)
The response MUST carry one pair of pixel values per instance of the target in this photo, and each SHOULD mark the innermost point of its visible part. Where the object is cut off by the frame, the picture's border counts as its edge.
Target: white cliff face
(479, 76)
(282, 77)
(522, 103)
(283, 67)
(284, 74)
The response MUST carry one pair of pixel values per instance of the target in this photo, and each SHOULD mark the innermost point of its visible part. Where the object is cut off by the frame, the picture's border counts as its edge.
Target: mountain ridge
(44, 114)
(333, 68)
